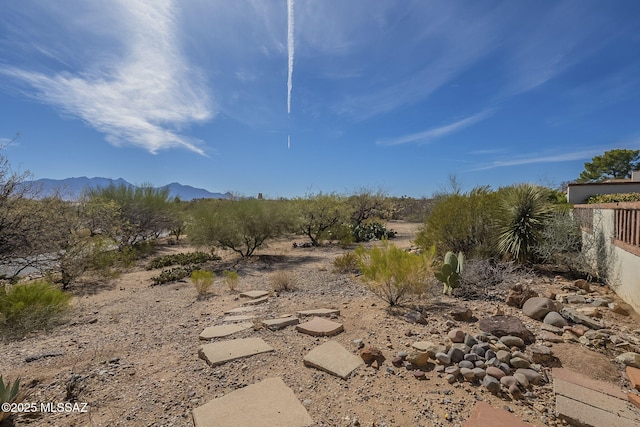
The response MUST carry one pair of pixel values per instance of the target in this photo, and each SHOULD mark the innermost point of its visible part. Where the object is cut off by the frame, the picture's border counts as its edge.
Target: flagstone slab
(265, 404)
(333, 358)
(579, 379)
(281, 322)
(321, 312)
(225, 351)
(583, 406)
(254, 294)
(485, 415)
(239, 318)
(223, 330)
(256, 301)
(319, 327)
(239, 310)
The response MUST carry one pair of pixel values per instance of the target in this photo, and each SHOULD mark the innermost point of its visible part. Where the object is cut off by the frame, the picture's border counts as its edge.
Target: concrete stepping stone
(239, 318)
(319, 327)
(485, 415)
(239, 310)
(579, 379)
(321, 312)
(281, 322)
(256, 301)
(584, 406)
(254, 294)
(333, 358)
(223, 330)
(225, 351)
(265, 404)
(634, 376)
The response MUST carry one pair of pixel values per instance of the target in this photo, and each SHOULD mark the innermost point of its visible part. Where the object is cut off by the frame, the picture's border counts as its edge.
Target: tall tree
(612, 164)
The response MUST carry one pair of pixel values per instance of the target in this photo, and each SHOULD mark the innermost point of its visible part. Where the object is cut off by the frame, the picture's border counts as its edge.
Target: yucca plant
(10, 394)
(525, 211)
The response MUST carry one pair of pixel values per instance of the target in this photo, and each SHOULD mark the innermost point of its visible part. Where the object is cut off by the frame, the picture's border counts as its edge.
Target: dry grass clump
(202, 280)
(283, 281)
(230, 279)
(347, 263)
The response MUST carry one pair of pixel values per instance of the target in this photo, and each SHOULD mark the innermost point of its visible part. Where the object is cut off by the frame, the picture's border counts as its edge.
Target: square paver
(223, 330)
(239, 318)
(281, 322)
(239, 310)
(256, 301)
(321, 312)
(268, 403)
(319, 327)
(333, 358)
(225, 351)
(254, 294)
(485, 415)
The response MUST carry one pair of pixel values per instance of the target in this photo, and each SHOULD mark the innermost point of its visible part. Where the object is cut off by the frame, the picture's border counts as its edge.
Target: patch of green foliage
(393, 273)
(450, 271)
(30, 306)
(10, 393)
(347, 263)
(182, 259)
(202, 280)
(366, 232)
(614, 198)
(231, 279)
(172, 275)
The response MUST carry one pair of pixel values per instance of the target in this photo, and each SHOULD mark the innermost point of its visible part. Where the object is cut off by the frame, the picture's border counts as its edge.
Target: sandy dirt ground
(130, 350)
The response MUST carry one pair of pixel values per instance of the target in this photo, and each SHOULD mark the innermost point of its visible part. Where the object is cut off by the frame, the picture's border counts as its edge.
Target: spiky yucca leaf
(526, 209)
(10, 393)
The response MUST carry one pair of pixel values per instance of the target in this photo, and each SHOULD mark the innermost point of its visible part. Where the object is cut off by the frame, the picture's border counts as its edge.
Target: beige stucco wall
(578, 193)
(622, 267)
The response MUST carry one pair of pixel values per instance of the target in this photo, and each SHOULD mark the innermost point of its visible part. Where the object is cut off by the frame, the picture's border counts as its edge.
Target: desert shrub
(323, 216)
(392, 273)
(181, 259)
(525, 210)
(172, 275)
(283, 281)
(614, 198)
(561, 243)
(366, 232)
(346, 263)
(202, 280)
(30, 306)
(462, 223)
(230, 279)
(489, 280)
(10, 393)
(240, 225)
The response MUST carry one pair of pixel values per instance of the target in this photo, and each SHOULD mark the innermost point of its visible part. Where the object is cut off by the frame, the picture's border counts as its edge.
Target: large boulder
(506, 325)
(538, 307)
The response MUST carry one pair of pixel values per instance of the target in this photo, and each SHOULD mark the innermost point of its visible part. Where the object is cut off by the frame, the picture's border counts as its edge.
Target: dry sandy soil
(131, 349)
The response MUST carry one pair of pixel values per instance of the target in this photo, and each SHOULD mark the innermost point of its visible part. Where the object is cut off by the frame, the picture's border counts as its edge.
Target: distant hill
(72, 188)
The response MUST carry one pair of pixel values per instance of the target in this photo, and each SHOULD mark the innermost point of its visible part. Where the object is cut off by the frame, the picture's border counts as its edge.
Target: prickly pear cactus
(449, 273)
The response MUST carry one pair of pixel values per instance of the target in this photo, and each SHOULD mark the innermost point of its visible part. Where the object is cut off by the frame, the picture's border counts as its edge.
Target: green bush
(182, 259)
(346, 263)
(614, 198)
(462, 223)
(367, 232)
(202, 280)
(525, 210)
(231, 279)
(393, 273)
(172, 275)
(31, 306)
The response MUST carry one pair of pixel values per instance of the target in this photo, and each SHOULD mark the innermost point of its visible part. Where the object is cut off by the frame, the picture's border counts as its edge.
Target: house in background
(580, 192)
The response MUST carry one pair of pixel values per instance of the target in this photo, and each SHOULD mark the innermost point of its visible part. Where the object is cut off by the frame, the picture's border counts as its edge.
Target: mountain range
(73, 188)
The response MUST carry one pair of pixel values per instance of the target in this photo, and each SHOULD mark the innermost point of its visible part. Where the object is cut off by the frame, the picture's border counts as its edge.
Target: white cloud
(433, 133)
(543, 158)
(141, 98)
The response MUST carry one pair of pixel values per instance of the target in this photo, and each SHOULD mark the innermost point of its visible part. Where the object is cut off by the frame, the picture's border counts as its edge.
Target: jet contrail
(289, 142)
(290, 50)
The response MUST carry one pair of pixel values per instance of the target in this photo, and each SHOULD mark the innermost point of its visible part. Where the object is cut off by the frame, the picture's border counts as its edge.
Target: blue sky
(397, 95)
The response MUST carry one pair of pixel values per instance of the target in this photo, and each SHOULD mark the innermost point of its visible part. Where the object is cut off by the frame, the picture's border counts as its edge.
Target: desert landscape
(131, 350)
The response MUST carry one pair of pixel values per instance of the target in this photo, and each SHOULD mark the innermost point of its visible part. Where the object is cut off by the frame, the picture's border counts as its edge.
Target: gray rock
(462, 314)
(576, 299)
(495, 372)
(470, 340)
(489, 354)
(574, 316)
(519, 362)
(479, 373)
(466, 364)
(506, 325)
(541, 354)
(532, 376)
(450, 378)
(467, 374)
(443, 358)
(503, 356)
(456, 335)
(491, 384)
(511, 341)
(538, 307)
(522, 379)
(455, 354)
(629, 359)
(554, 318)
(453, 370)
